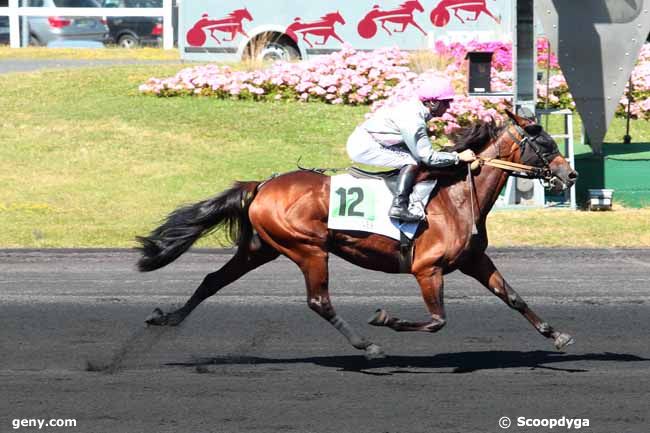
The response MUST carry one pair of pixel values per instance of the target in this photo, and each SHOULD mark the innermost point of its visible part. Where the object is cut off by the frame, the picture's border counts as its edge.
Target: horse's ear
(512, 116)
(517, 119)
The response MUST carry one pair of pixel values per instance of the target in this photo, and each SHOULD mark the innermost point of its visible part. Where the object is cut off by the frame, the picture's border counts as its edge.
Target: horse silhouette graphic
(403, 15)
(231, 24)
(324, 27)
(440, 14)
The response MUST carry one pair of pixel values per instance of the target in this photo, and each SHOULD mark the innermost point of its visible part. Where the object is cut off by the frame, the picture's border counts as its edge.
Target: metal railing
(14, 11)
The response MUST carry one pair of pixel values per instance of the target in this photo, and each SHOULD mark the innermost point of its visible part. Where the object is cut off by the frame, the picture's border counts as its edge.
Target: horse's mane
(329, 15)
(408, 3)
(476, 136)
(236, 13)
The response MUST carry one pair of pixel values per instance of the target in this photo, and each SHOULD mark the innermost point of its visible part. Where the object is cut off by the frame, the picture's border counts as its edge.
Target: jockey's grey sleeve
(414, 132)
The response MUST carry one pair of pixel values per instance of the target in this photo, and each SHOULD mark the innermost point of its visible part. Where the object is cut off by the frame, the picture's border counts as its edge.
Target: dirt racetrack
(256, 359)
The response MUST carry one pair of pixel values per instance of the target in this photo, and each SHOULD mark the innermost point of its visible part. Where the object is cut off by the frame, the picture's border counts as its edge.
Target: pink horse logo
(403, 15)
(440, 14)
(324, 27)
(231, 24)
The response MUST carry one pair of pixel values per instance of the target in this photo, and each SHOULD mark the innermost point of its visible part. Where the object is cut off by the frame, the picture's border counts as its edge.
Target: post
(168, 27)
(569, 152)
(14, 24)
(525, 54)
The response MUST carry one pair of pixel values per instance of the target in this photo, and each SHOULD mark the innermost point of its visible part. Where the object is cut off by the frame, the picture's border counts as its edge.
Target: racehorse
(324, 28)
(231, 24)
(288, 215)
(440, 14)
(367, 27)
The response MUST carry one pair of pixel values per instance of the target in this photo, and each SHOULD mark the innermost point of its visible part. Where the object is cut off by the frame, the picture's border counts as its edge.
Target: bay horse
(288, 215)
(324, 28)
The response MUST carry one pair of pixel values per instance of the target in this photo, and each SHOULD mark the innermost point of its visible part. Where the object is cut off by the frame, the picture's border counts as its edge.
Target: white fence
(15, 12)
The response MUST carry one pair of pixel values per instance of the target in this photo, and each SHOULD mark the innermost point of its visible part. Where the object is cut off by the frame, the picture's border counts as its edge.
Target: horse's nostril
(573, 175)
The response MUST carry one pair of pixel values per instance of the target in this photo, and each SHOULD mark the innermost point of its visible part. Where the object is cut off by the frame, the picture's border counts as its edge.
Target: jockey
(396, 136)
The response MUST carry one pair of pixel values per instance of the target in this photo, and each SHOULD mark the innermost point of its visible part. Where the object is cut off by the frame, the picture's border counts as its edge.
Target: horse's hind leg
(242, 262)
(431, 286)
(487, 274)
(315, 269)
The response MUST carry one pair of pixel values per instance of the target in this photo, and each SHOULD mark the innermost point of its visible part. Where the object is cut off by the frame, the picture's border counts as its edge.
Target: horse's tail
(187, 224)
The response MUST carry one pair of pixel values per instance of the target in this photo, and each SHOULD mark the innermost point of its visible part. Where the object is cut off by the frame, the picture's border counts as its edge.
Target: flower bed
(344, 77)
(384, 77)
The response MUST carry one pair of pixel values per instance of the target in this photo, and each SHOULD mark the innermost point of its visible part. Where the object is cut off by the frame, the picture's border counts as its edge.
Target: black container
(480, 65)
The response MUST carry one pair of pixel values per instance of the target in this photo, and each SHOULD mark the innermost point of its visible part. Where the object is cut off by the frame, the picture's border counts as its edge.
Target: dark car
(129, 32)
(4, 29)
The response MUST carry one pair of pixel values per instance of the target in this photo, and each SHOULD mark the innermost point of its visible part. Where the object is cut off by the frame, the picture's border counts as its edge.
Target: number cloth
(362, 205)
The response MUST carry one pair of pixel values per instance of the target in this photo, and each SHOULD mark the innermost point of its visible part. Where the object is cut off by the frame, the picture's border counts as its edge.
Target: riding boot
(400, 206)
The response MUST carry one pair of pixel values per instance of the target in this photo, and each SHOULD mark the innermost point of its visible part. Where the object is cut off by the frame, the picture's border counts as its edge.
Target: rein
(515, 169)
(518, 170)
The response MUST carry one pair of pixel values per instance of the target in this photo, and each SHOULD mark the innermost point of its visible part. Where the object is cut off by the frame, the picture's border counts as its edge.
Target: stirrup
(403, 214)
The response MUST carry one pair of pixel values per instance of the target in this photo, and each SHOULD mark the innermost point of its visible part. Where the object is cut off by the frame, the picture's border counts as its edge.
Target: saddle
(389, 177)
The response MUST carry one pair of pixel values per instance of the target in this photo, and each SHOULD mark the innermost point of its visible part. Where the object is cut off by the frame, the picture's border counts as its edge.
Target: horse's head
(533, 146)
(522, 142)
(413, 5)
(242, 14)
(334, 17)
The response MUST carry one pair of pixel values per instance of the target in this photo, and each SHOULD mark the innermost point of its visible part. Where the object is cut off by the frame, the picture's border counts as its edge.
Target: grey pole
(525, 56)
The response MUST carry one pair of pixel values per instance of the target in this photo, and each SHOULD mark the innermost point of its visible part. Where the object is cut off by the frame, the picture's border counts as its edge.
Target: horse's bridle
(523, 170)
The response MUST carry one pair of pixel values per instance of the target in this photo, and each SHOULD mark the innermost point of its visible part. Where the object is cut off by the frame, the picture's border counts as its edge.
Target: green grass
(110, 53)
(85, 161)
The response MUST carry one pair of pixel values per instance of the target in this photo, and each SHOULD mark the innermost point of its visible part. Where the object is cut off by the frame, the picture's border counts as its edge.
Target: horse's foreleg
(487, 274)
(337, 37)
(417, 26)
(315, 270)
(241, 263)
(431, 285)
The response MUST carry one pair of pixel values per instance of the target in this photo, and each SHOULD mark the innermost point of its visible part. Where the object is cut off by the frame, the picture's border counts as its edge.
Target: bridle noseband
(529, 141)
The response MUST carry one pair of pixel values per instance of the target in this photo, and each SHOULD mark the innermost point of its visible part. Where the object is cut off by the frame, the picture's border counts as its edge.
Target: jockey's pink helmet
(435, 88)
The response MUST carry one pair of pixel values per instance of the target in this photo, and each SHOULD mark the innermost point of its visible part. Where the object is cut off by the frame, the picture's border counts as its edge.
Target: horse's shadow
(459, 362)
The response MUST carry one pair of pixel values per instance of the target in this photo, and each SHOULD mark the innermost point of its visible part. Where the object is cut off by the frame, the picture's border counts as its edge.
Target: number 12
(343, 194)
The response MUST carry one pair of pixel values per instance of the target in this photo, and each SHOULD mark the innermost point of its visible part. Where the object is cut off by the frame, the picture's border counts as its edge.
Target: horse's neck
(488, 185)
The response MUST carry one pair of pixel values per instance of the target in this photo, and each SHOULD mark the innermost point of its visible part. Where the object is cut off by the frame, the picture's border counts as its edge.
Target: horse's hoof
(562, 341)
(156, 318)
(374, 352)
(380, 318)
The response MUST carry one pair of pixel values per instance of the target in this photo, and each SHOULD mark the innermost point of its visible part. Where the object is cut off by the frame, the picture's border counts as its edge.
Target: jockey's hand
(467, 156)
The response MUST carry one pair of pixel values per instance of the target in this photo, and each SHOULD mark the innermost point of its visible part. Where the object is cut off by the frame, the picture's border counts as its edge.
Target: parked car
(44, 30)
(4, 30)
(129, 32)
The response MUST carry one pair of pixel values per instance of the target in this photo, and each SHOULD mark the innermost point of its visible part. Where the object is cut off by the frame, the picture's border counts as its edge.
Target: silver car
(54, 29)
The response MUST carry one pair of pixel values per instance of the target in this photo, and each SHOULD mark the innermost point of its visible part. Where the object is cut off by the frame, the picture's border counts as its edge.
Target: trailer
(293, 29)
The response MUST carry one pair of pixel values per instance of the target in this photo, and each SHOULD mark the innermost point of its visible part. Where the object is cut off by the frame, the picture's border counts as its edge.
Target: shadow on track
(460, 362)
